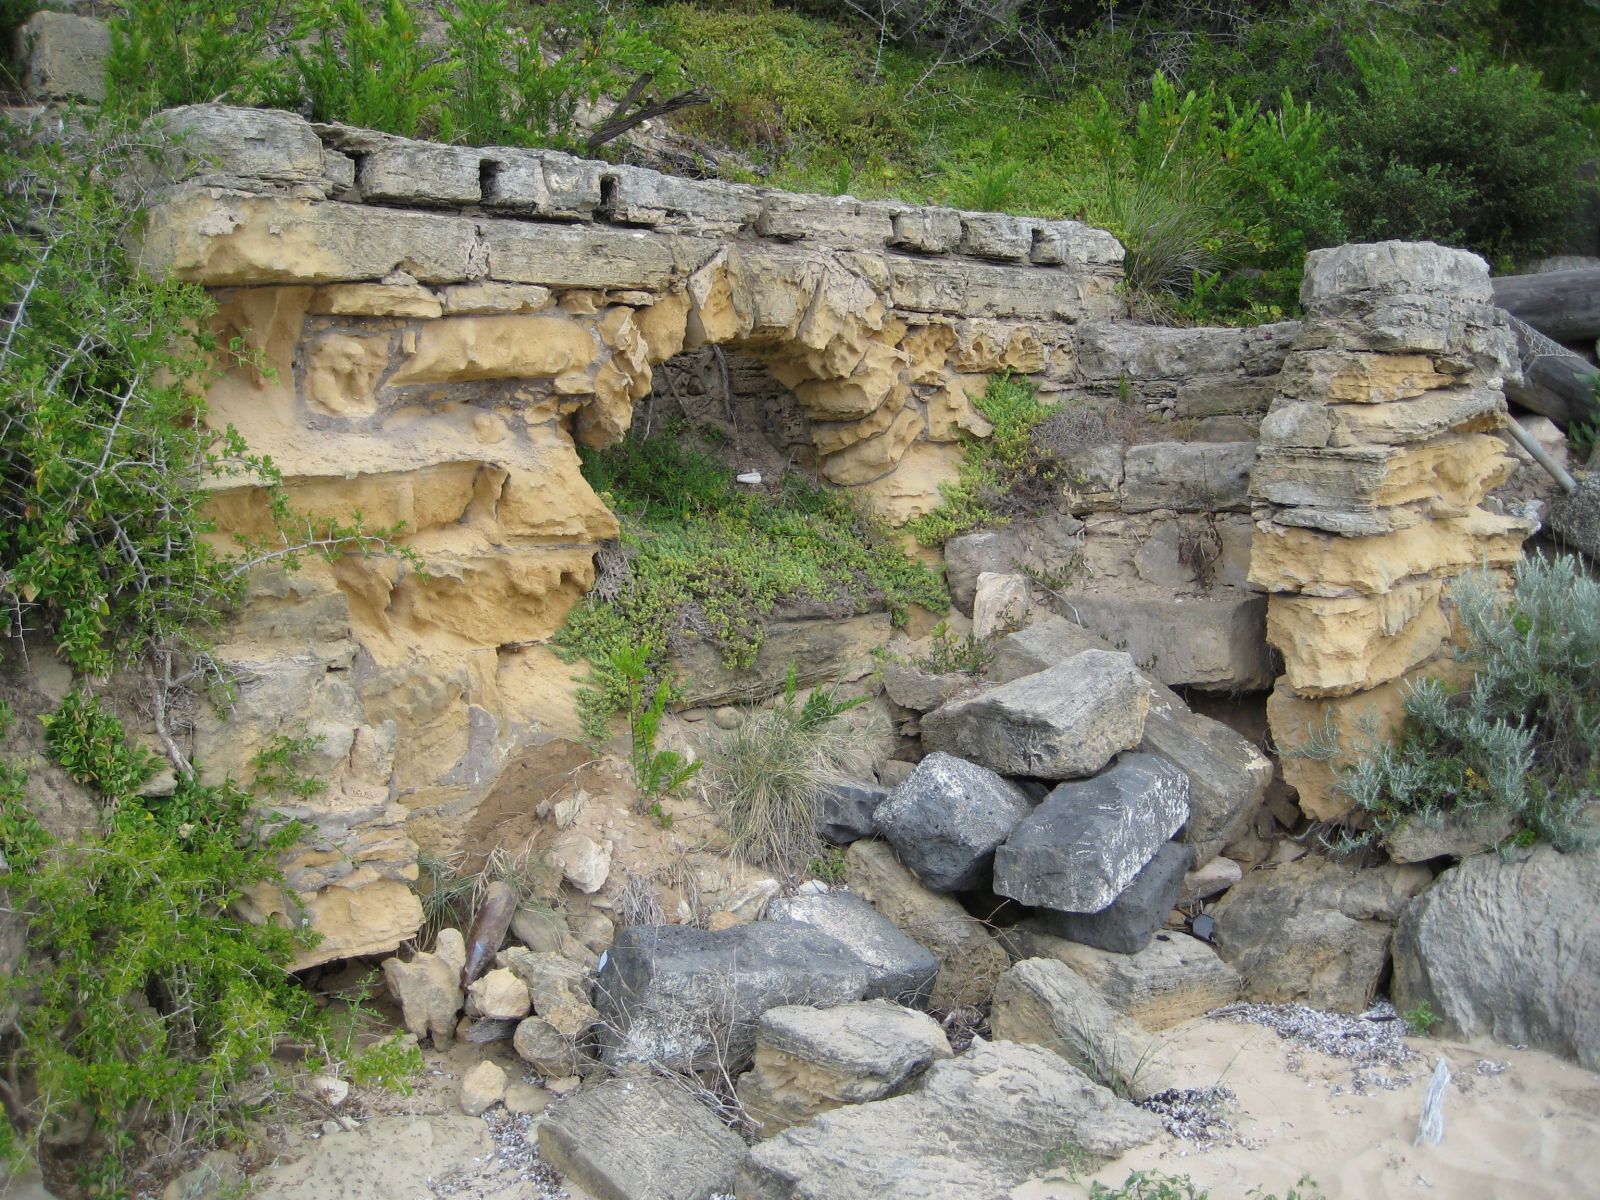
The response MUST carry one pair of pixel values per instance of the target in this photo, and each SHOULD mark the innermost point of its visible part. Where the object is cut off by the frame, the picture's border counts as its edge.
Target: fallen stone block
(1043, 1002)
(1216, 641)
(1127, 924)
(977, 1125)
(1174, 979)
(684, 999)
(1063, 723)
(969, 959)
(641, 1138)
(1078, 850)
(810, 1060)
(1039, 647)
(64, 56)
(898, 968)
(845, 812)
(429, 993)
(946, 820)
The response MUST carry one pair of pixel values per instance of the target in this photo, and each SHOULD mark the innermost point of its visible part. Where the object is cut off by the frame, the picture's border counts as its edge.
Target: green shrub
(704, 557)
(766, 775)
(1449, 148)
(143, 1004)
(1523, 737)
(1001, 474)
(658, 773)
(373, 70)
(170, 52)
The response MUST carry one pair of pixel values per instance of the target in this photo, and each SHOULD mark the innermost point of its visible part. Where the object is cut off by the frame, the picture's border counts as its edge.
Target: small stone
(584, 864)
(451, 949)
(499, 995)
(1127, 924)
(522, 1098)
(329, 1089)
(482, 1088)
(544, 1048)
(1216, 877)
(429, 995)
(564, 1086)
(1001, 604)
(726, 717)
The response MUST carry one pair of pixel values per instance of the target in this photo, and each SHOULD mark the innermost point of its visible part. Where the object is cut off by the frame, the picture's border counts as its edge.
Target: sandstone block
(1041, 646)
(1174, 979)
(1063, 723)
(588, 256)
(1043, 1002)
(838, 221)
(876, 457)
(640, 1138)
(810, 1061)
(1456, 470)
(963, 287)
(492, 299)
(1199, 372)
(551, 1053)
(459, 349)
(429, 995)
(241, 143)
(1401, 268)
(946, 820)
(898, 968)
(978, 1125)
(927, 230)
(543, 183)
(376, 300)
(1045, 544)
(482, 1088)
(997, 236)
(499, 996)
(1084, 845)
(1359, 377)
(1459, 834)
(1336, 645)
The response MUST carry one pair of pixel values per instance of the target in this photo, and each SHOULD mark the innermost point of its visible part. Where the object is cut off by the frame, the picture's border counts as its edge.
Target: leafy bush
(1453, 149)
(704, 557)
(143, 1004)
(170, 52)
(1195, 183)
(767, 774)
(659, 773)
(1524, 736)
(372, 70)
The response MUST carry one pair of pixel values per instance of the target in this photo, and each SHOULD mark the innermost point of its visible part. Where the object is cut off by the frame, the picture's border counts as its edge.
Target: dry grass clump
(766, 776)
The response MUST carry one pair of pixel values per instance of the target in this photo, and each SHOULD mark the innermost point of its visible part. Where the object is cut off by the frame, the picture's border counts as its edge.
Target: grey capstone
(1084, 845)
(1127, 924)
(845, 811)
(946, 820)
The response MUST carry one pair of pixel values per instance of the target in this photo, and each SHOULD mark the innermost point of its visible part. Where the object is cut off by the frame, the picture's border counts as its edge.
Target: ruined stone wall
(1376, 456)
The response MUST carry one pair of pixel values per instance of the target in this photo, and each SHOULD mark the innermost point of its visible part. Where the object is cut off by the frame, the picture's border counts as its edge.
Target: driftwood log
(1564, 305)
(1556, 383)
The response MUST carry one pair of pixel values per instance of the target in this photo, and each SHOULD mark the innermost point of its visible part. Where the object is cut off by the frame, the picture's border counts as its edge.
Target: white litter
(750, 477)
(1431, 1127)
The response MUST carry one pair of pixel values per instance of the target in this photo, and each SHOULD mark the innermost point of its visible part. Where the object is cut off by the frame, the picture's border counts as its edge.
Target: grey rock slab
(683, 999)
(1314, 930)
(1078, 850)
(64, 56)
(1188, 476)
(1040, 646)
(1402, 268)
(1450, 835)
(1044, 1002)
(810, 1060)
(1575, 516)
(421, 173)
(922, 691)
(1216, 640)
(1127, 924)
(946, 820)
(1062, 723)
(898, 968)
(845, 811)
(252, 143)
(641, 1138)
(1174, 979)
(1510, 949)
(976, 1125)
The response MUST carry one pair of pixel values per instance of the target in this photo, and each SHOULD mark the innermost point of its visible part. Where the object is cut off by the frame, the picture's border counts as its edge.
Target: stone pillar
(1375, 456)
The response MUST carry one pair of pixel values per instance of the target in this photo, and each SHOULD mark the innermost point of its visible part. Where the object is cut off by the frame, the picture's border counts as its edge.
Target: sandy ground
(1529, 1131)
(1518, 1124)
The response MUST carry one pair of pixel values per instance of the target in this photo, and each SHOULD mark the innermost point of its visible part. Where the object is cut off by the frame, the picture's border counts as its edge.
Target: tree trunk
(1555, 382)
(1564, 305)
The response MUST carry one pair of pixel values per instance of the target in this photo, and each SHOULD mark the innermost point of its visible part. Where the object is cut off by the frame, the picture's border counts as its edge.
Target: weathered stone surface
(1197, 372)
(1000, 604)
(419, 173)
(1333, 646)
(916, 689)
(898, 968)
(1127, 924)
(977, 1125)
(462, 349)
(946, 820)
(499, 995)
(1403, 268)
(1509, 948)
(640, 1138)
(1046, 544)
(218, 140)
(375, 300)
(845, 812)
(1078, 850)
(974, 289)
(809, 1061)
(1063, 723)
(1455, 470)
(1041, 646)
(1575, 516)
(1044, 1002)
(584, 864)
(64, 56)
(482, 1088)
(1449, 835)
(428, 991)
(683, 998)
(588, 256)
(816, 649)
(1188, 476)
(1228, 776)
(546, 1049)
(969, 959)
(1216, 877)
(1314, 930)
(558, 986)
(1308, 562)
(1174, 979)
(1215, 641)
